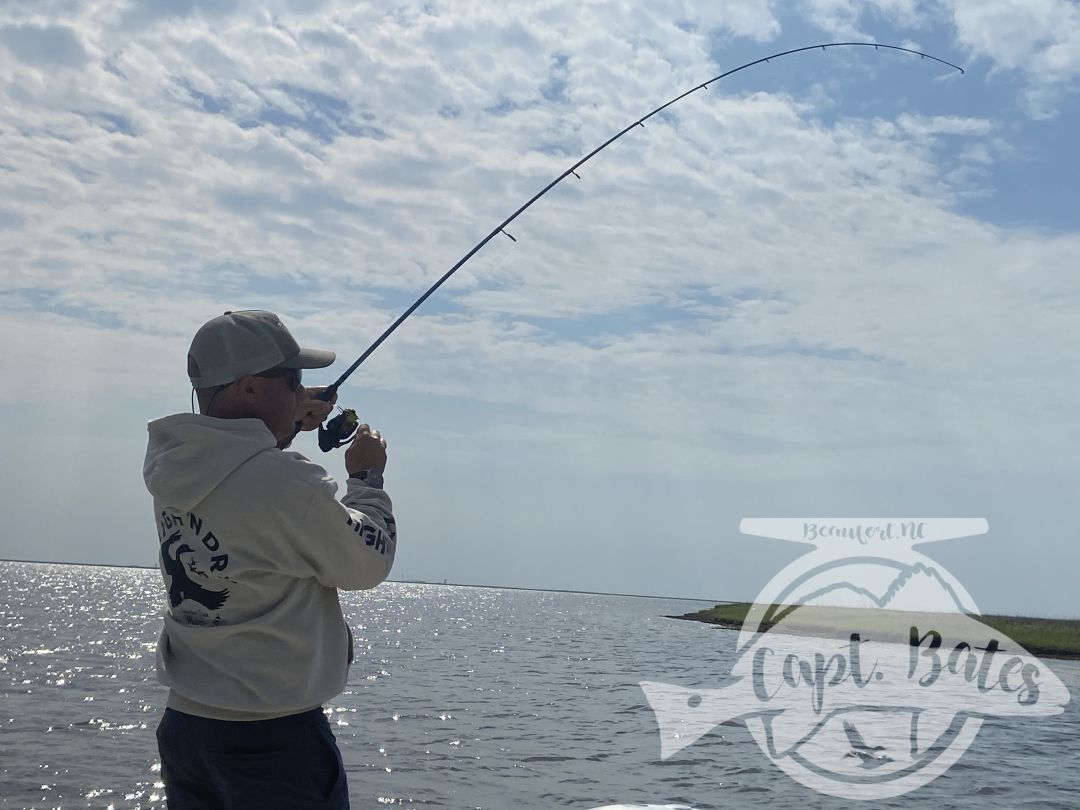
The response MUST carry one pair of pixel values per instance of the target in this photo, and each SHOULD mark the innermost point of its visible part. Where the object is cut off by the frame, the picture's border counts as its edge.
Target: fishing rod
(338, 431)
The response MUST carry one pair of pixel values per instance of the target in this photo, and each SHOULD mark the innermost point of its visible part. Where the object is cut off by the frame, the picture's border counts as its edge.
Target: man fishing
(253, 549)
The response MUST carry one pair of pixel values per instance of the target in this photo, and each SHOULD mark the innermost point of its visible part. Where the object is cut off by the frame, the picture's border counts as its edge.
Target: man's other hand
(311, 412)
(367, 451)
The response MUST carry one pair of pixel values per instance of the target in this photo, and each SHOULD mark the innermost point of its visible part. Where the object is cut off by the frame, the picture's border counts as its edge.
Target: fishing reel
(338, 431)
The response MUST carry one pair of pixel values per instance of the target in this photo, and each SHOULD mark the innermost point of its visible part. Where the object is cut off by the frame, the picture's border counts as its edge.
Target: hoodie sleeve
(347, 544)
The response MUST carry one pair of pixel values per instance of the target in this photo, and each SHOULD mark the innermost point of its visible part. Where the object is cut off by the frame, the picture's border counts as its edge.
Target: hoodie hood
(189, 454)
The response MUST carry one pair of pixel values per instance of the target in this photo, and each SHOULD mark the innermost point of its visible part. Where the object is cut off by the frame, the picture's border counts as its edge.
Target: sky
(843, 283)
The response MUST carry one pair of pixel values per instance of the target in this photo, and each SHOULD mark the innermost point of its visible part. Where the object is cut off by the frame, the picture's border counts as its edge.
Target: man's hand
(311, 412)
(367, 451)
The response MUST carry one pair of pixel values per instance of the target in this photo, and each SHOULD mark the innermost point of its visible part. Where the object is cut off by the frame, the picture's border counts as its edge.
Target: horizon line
(421, 582)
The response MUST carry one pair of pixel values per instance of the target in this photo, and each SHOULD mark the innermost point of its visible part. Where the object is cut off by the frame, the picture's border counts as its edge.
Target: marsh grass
(1052, 637)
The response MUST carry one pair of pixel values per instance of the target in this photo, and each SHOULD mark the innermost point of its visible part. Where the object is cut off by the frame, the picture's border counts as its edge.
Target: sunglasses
(292, 376)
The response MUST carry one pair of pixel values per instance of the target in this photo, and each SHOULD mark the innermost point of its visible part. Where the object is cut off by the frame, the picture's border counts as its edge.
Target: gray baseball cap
(248, 342)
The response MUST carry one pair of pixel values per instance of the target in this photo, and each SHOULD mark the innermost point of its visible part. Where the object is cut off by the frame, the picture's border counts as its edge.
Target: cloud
(44, 46)
(11, 220)
(1039, 39)
(147, 12)
(212, 158)
(944, 125)
(1037, 35)
(844, 17)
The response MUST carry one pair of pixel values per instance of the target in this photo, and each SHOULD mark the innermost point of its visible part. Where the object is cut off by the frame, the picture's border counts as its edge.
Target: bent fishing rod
(338, 431)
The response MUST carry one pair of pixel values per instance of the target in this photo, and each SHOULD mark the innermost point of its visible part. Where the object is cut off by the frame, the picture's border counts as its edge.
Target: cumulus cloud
(1038, 38)
(1040, 35)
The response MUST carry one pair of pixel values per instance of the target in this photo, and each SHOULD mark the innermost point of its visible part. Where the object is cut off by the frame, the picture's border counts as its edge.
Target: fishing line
(337, 432)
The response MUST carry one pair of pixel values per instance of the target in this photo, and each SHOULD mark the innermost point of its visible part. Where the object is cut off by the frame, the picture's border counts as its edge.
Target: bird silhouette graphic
(871, 756)
(180, 585)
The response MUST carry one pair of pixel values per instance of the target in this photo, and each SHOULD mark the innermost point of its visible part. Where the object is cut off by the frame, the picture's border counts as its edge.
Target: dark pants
(290, 763)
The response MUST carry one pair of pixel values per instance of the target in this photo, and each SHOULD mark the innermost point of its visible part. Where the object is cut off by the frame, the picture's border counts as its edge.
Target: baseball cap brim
(310, 358)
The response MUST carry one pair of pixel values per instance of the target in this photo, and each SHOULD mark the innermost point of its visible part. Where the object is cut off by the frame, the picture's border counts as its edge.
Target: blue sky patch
(111, 122)
(56, 303)
(554, 89)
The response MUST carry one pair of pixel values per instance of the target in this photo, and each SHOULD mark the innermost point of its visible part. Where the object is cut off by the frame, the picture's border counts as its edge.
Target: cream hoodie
(253, 547)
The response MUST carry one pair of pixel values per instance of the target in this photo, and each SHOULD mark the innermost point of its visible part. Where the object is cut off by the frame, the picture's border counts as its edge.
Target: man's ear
(247, 388)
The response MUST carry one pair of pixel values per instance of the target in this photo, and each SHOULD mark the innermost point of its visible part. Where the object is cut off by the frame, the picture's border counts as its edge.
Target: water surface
(460, 698)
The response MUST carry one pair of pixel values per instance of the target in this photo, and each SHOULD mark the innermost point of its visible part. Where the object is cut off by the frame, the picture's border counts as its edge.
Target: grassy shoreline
(1056, 638)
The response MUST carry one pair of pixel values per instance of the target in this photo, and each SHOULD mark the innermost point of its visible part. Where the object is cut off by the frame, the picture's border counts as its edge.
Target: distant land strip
(1057, 638)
